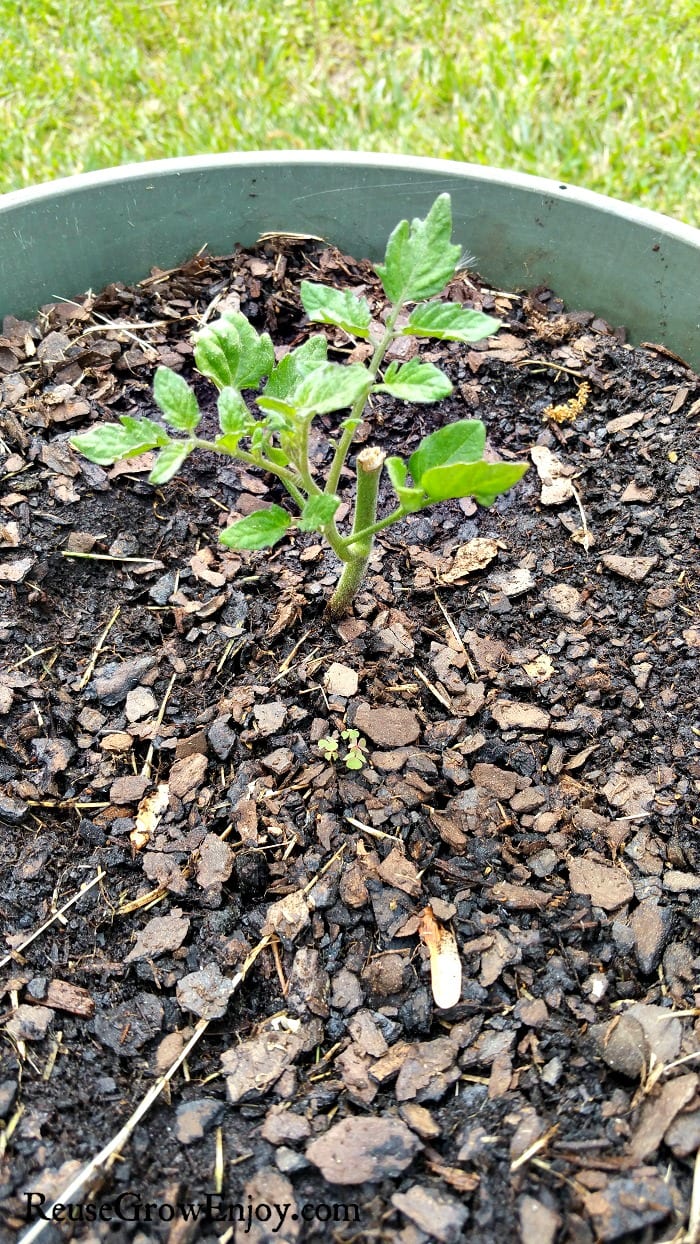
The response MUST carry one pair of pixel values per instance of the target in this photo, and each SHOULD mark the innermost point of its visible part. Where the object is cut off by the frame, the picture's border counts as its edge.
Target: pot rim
(542, 186)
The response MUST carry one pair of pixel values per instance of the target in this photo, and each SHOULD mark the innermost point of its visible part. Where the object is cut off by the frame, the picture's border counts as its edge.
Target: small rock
(254, 1066)
(677, 882)
(428, 1071)
(270, 1188)
(195, 1118)
(651, 926)
(683, 1136)
(512, 714)
(13, 811)
(440, 1215)
(607, 887)
(341, 680)
(544, 863)
(54, 755)
(8, 1093)
(221, 737)
(164, 587)
(538, 1223)
(633, 793)
(115, 680)
(635, 568)
(29, 1023)
(658, 1113)
(206, 993)
(363, 1150)
(629, 1204)
(215, 862)
(384, 976)
(288, 1161)
(140, 703)
(531, 1011)
(346, 991)
(282, 1125)
(420, 1120)
(287, 916)
(161, 934)
(662, 1030)
(387, 727)
(498, 782)
(129, 789)
(187, 775)
(565, 601)
(622, 1044)
(270, 717)
(281, 761)
(512, 582)
(125, 1028)
(687, 480)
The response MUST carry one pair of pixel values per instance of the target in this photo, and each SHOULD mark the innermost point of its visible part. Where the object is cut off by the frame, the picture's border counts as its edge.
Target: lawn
(604, 96)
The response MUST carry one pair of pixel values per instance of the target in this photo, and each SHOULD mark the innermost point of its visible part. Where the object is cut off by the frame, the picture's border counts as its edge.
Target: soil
(522, 682)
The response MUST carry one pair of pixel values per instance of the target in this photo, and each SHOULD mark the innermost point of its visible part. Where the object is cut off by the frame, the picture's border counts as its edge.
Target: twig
(97, 650)
(56, 916)
(586, 535)
(104, 1160)
(146, 771)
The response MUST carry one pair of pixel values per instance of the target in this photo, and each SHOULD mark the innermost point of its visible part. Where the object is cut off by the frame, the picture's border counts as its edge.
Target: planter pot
(632, 266)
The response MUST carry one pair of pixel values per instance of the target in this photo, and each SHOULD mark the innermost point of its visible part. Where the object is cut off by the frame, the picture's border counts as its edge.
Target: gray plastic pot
(631, 266)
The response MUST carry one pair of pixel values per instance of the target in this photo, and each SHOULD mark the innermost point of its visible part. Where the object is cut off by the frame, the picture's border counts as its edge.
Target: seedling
(355, 755)
(420, 261)
(329, 747)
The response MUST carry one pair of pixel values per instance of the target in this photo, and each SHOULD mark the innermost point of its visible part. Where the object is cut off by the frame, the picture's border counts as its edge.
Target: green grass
(600, 95)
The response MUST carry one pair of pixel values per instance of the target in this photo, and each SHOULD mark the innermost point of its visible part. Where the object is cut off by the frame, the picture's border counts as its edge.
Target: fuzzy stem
(285, 477)
(343, 446)
(369, 468)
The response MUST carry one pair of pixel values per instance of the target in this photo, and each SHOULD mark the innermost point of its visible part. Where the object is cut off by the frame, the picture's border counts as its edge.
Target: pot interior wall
(633, 267)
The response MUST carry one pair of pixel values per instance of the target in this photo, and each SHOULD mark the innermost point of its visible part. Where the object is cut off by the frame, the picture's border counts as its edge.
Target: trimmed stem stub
(369, 464)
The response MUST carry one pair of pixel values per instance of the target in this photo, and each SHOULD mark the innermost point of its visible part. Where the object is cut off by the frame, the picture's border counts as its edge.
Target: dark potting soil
(523, 680)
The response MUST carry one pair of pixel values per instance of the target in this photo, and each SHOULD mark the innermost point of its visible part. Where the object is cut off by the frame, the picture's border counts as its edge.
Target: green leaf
(145, 429)
(420, 259)
(481, 480)
(278, 456)
(277, 406)
(326, 305)
(111, 442)
(176, 400)
(462, 441)
(231, 353)
(317, 512)
(169, 461)
(411, 499)
(331, 386)
(295, 365)
(216, 355)
(448, 321)
(256, 356)
(258, 531)
(234, 417)
(414, 382)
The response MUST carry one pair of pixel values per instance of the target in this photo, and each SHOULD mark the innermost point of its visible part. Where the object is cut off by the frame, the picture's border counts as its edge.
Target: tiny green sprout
(355, 757)
(272, 432)
(329, 747)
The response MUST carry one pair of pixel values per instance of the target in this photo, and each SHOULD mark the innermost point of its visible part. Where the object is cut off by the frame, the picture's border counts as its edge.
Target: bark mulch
(522, 679)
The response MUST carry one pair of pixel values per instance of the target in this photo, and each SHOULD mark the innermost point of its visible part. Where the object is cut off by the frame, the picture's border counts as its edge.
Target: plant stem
(358, 548)
(355, 416)
(346, 541)
(285, 477)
